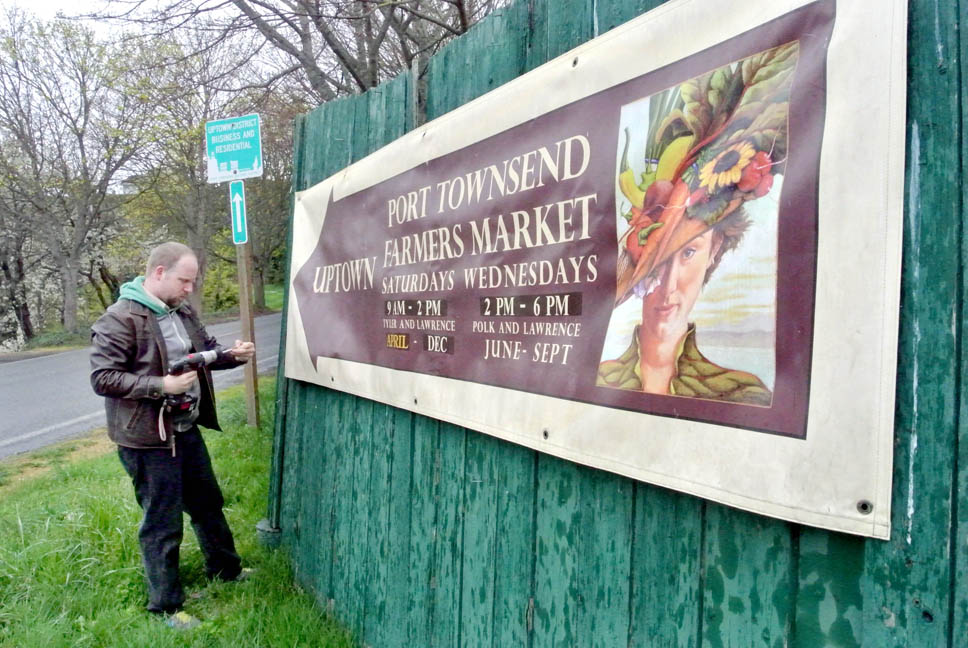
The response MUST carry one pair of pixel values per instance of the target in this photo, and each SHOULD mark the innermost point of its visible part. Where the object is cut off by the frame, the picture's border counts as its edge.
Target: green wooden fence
(420, 533)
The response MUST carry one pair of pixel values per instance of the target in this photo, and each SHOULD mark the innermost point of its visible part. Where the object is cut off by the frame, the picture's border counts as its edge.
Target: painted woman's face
(666, 310)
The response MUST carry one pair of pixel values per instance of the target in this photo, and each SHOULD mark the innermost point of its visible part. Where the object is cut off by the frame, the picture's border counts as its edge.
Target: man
(134, 342)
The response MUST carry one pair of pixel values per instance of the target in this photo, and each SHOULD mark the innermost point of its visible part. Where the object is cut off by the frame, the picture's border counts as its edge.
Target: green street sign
(234, 148)
(240, 229)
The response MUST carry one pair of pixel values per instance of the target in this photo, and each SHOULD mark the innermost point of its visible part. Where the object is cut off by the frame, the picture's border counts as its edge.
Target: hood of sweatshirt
(135, 291)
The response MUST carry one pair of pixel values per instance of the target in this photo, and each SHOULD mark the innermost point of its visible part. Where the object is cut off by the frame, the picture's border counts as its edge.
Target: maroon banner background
(355, 325)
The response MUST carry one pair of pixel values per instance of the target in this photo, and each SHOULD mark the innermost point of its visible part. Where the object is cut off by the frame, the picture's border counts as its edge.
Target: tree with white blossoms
(74, 114)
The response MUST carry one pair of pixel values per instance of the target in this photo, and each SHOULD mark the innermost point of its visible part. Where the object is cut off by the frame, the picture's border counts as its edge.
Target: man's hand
(179, 384)
(242, 350)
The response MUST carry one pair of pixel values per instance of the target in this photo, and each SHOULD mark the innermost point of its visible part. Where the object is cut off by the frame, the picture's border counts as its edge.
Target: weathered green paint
(607, 507)
(390, 540)
(514, 552)
(558, 594)
(424, 497)
(612, 13)
(476, 62)
(558, 27)
(829, 602)
(749, 579)
(479, 544)
(959, 599)
(421, 533)
(352, 514)
(666, 568)
(281, 423)
(445, 613)
(908, 583)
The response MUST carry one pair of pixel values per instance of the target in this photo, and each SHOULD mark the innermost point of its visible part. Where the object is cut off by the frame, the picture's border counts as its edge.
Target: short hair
(731, 229)
(167, 255)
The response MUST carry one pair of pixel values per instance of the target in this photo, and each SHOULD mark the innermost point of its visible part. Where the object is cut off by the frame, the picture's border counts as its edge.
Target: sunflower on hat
(714, 142)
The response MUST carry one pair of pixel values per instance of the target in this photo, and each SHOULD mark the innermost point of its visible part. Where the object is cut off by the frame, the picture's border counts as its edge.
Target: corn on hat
(714, 142)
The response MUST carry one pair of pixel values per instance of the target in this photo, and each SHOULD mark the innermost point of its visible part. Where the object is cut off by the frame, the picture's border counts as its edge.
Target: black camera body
(178, 403)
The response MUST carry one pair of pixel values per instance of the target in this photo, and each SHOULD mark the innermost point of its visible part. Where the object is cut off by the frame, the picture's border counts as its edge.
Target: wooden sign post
(234, 151)
(243, 258)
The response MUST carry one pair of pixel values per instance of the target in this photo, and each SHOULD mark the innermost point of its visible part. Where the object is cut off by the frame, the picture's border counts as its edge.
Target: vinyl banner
(677, 259)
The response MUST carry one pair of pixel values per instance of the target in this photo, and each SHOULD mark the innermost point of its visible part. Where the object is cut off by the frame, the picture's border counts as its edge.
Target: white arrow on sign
(238, 212)
(237, 207)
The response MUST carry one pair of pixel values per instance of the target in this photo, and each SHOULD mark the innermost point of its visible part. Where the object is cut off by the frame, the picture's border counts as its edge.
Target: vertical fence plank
(445, 629)
(497, 543)
(318, 128)
(361, 130)
(291, 503)
(377, 121)
(375, 619)
(438, 102)
(538, 25)
(479, 544)
(750, 580)
(606, 550)
(907, 591)
(293, 513)
(558, 27)
(304, 541)
(557, 549)
(515, 560)
(829, 602)
(318, 436)
(399, 108)
(612, 13)
(959, 605)
(372, 452)
(280, 425)
(665, 572)
(341, 461)
(423, 497)
(391, 472)
(393, 629)
(358, 551)
(315, 534)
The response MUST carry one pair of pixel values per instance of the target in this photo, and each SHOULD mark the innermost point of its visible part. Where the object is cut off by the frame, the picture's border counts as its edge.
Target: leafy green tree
(268, 197)
(174, 194)
(74, 112)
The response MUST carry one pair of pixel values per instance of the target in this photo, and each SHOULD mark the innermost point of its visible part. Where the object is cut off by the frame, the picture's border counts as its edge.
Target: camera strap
(161, 429)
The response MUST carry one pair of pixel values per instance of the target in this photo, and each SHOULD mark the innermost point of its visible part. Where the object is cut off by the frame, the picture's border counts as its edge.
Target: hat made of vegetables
(714, 143)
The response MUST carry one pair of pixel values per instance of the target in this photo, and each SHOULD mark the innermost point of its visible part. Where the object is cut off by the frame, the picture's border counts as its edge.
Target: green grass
(58, 338)
(273, 305)
(70, 568)
(274, 297)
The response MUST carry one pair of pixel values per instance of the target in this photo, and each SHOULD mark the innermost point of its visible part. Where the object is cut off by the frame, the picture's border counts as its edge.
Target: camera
(179, 403)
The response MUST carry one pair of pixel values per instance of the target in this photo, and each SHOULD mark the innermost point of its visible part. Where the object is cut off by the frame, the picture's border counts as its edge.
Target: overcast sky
(47, 9)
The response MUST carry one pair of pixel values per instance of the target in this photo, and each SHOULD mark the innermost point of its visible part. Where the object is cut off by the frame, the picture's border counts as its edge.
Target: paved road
(49, 399)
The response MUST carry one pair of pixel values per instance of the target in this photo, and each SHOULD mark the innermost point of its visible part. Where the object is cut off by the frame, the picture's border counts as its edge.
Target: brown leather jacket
(128, 362)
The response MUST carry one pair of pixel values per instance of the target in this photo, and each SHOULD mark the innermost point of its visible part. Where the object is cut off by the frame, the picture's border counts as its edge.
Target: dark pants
(166, 487)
